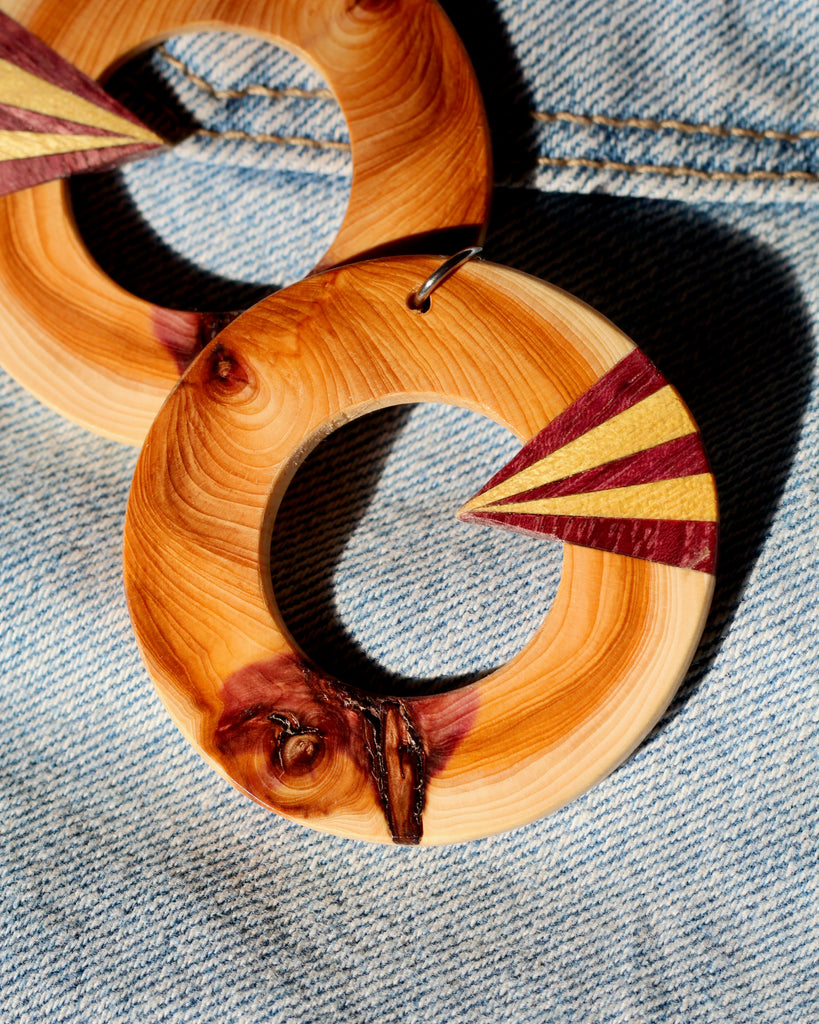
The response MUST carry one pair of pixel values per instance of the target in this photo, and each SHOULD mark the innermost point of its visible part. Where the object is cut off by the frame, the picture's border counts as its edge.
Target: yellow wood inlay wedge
(20, 88)
(659, 418)
(686, 498)
(16, 145)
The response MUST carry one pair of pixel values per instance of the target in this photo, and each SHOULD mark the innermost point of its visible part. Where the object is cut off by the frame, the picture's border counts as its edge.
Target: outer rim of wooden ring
(105, 358)
(533, 735)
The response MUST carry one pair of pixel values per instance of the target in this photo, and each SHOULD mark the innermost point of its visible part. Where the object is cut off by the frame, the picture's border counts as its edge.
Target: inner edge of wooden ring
(284, 478)
(157, 40)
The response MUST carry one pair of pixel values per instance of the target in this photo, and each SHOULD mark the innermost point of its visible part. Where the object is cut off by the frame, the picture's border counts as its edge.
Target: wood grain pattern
(54, 120)
(622, 469)
(421, 166)
(510, 748)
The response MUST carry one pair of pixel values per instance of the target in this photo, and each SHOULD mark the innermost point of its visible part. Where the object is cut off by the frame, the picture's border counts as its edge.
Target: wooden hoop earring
(605, 467)
(107, 359)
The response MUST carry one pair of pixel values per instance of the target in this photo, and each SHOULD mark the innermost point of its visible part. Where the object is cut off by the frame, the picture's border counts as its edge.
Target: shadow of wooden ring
(506, 750)
(107, 359)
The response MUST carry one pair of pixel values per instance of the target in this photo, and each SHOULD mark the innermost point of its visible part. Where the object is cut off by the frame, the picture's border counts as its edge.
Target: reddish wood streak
(184, 334)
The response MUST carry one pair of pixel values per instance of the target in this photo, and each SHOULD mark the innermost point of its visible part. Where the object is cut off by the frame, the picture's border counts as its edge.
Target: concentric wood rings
(531, 736)
(107, 359)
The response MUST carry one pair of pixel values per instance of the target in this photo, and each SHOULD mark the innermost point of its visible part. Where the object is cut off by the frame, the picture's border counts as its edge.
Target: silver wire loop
(420, 299)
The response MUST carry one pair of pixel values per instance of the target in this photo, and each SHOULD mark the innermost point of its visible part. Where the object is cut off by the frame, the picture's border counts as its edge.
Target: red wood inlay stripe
(18, 119)
(681, 457)
(23, 48)
(631, 380)
(19, 174)
(689, 545)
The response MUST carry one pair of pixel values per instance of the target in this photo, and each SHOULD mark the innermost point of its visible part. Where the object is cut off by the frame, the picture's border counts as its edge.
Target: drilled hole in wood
(376, 580)
(239, 206)
(417, 306)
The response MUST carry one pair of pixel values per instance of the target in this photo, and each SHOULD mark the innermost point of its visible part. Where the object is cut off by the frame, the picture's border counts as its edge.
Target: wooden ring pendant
(107, 359)
(637, 573)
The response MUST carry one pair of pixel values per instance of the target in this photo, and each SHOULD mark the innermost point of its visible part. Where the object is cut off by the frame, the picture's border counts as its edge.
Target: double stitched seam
(673, 125)
(688, 128)
(280, 140)
(255, 90)
(250, 90)
(676, 170)
(547, 117)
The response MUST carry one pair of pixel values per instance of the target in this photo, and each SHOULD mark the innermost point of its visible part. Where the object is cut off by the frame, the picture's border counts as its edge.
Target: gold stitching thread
(250, 90)
(280, 140)
(649, 124)
(722, 131)
(547, 116)
(676, 170)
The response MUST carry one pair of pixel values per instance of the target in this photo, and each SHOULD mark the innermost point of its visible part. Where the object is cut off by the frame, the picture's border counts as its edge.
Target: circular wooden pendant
(418, 135)
(613, 467)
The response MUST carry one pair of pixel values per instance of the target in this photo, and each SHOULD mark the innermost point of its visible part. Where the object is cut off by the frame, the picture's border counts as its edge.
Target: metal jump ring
(420, 299)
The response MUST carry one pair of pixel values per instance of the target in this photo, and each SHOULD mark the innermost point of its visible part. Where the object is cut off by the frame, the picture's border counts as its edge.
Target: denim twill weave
(139, 886)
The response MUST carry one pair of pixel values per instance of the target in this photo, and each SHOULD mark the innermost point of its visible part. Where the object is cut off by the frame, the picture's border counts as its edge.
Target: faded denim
(139, 886)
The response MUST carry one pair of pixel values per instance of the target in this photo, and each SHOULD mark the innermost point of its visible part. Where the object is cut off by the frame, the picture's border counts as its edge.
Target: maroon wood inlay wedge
(622, 469)
(54, 120)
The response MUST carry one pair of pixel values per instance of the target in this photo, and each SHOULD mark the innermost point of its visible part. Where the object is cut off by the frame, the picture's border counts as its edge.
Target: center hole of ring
(250, 195)
(378, 582)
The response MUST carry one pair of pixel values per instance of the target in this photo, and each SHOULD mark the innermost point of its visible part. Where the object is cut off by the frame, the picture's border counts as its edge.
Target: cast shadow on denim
(722, 317)
(374, 577)
(143, 265)
(131, 251)
(506, 95)
(338, 487)
(106, 843)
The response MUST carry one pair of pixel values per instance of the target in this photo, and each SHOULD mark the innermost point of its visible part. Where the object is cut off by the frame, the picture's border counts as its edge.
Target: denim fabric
(691, 100)
(138, 885)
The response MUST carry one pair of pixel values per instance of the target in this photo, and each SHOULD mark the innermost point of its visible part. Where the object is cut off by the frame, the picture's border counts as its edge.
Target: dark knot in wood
(309, 745)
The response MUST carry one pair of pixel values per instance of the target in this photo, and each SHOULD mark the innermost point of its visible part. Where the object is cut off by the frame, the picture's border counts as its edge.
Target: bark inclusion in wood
(309, 745)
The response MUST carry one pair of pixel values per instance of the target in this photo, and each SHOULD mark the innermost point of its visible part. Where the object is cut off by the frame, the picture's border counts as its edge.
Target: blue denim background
(137, 885)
